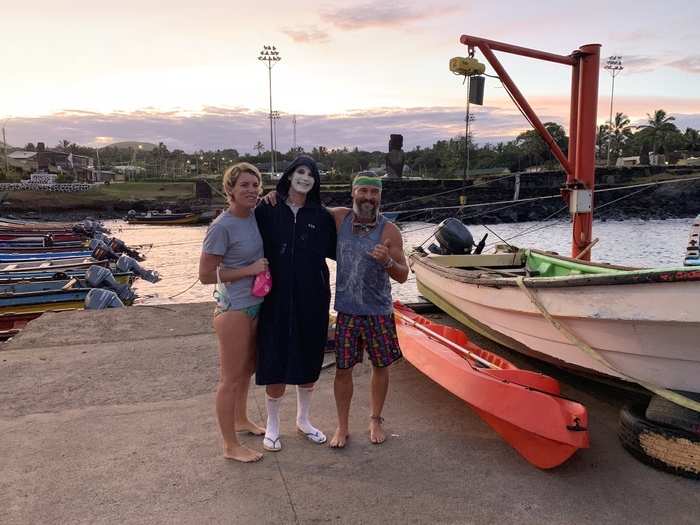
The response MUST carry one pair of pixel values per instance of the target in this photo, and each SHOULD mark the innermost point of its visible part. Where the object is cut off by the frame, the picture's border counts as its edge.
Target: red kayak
(524, 407)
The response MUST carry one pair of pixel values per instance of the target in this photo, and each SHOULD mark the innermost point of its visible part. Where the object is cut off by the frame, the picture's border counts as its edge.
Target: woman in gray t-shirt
(232, 254)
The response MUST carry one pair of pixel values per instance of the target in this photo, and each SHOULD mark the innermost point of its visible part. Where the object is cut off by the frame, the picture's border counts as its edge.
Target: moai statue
(395, 158)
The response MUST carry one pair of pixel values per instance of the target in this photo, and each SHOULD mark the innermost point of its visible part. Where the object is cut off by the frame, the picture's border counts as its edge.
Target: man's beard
(365, 209)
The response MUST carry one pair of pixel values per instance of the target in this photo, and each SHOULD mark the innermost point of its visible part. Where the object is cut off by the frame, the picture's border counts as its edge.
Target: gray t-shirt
(239, 241)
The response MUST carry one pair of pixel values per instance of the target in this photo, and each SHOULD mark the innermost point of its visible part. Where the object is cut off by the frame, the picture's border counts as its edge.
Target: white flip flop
(317, 437)
(272, 445)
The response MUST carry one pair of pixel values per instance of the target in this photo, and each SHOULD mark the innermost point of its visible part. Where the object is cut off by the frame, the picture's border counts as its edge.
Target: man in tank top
(369, 253)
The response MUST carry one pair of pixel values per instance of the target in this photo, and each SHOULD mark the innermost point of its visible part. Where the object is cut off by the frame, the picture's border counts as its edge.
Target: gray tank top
(362, 284)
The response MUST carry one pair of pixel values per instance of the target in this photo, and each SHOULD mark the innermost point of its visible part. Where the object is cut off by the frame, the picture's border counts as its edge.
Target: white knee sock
(303, 409)
(273, 417)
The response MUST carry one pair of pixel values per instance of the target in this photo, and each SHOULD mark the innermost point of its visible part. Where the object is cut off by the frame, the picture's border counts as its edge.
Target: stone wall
(653, 202)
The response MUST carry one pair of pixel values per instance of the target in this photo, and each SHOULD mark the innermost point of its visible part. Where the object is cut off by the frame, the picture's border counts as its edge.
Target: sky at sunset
(187, 74)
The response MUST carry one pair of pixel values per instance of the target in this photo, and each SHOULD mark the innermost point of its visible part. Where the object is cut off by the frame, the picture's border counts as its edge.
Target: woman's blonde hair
(232, 174)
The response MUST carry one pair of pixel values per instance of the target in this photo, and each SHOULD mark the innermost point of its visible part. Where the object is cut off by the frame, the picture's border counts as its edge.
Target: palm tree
(620, 132)
(658, 127)
(259, 147)
(603, 140)
(692, 139)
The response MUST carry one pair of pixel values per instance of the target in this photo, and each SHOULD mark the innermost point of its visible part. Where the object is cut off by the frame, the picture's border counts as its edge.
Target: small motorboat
(25, 247)
(524, 407)
(631, 324)
(42, 256)
(22, 236)
(16, 278)
(40, 302)
(51, 265)
(166, 218)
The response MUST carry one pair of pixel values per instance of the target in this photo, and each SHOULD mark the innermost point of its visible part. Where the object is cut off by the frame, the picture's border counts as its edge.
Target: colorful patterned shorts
(374, 333)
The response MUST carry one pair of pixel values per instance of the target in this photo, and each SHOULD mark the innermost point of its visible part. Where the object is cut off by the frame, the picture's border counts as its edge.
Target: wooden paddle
(444, 340)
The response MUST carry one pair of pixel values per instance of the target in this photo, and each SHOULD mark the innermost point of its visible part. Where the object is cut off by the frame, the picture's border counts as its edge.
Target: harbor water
(174, 250)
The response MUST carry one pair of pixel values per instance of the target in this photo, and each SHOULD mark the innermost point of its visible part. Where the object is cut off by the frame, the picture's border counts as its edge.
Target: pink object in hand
(262, 284)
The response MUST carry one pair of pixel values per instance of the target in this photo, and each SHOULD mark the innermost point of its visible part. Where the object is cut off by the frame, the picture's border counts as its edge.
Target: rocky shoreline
(417, 200)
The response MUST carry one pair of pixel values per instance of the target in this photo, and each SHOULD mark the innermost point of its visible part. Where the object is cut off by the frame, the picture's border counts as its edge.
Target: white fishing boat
(639, 325)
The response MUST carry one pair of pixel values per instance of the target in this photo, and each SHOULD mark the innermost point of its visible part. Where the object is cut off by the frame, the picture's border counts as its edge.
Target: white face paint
(301, 180)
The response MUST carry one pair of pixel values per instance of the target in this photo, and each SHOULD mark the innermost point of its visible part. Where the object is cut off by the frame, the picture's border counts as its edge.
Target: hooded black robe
(293, 326)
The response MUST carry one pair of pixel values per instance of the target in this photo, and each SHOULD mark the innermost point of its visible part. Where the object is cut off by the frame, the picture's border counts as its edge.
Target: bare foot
(241, 453)
(339, 439)
(376, 432)
(250, 427)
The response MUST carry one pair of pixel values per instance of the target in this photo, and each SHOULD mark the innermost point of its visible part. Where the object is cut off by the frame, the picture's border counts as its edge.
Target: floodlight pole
(614, 66)
(271, 56)
(579, 165)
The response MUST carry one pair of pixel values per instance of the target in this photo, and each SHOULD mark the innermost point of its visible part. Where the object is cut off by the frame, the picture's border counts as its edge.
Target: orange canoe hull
(523, 407)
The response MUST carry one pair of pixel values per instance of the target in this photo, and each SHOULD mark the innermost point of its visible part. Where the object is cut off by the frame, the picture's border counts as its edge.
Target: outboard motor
(99, 299)
(89, 227)
(129, 264)
(102, 237)
(119, 246)
(100, 277)
(101, 251)
(454, 238)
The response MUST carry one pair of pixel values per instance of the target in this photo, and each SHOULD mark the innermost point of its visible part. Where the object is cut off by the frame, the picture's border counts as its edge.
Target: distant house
(49, 161)
(623, 162)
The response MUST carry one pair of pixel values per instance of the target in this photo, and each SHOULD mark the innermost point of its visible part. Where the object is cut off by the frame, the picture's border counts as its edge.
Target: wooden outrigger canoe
(524, 407)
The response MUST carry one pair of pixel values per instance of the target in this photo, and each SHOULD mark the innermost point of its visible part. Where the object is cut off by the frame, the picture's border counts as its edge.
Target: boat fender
(129, 264)
(454, 237)
(99, 299)
(101, 277)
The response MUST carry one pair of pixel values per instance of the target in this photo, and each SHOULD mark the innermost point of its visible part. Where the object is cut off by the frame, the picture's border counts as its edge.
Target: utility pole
(468, 117)
(614, 67)
(271, 56)
(294, 133)
(275, 118)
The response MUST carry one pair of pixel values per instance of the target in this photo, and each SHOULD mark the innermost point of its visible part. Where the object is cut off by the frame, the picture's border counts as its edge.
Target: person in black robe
(298, 235)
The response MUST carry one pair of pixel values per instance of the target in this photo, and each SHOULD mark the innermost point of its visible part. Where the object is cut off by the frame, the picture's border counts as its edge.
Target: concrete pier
(107, 417)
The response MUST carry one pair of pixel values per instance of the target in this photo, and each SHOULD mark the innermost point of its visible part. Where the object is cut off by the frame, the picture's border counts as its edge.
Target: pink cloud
(307, 35)
(240, 128)
(379, 14)
(689, 64)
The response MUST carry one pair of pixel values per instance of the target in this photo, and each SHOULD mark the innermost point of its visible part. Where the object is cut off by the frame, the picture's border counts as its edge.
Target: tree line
(445, 158)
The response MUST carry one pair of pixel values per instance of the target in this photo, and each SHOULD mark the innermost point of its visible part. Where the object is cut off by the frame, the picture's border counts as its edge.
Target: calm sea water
(174, 250)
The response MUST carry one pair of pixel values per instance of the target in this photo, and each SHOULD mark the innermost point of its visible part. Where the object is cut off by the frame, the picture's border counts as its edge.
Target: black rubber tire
(667, 413)
(662, 447)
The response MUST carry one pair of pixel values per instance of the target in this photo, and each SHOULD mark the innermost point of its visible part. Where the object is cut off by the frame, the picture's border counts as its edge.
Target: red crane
(580, 163)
